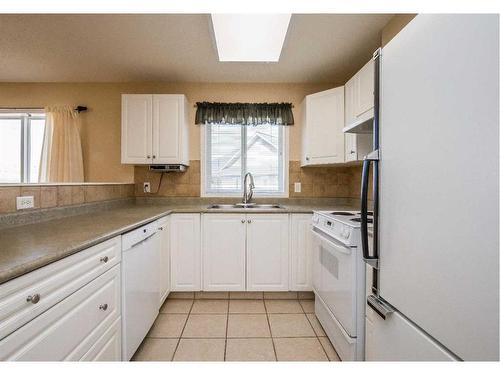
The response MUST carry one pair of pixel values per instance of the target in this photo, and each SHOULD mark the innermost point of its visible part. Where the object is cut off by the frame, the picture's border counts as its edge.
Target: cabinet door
(349, 106)
(167, 117)
(69, 329)
(164, 264)
(185, 252)
(325, 123)
(223, 248)
(364, 90)
(267, 252)
(137, 126)
(300, 252)
(108, 347)
(351, 153)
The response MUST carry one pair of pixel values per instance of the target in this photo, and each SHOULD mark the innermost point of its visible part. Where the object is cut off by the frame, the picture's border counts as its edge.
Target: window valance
(244, 113)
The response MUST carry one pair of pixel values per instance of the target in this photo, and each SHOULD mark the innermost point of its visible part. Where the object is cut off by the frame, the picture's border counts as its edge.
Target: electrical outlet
(297, 187)
(147, 187)
(23, 203)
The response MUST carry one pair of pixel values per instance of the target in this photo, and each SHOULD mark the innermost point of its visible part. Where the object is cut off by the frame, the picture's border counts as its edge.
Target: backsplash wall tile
(62, 195)
(317, 182)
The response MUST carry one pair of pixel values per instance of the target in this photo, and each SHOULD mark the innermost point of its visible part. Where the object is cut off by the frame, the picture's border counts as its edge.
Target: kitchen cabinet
(154, 129)
(185, 252)
(85, 315)
(357, 146)
(300, 252)
(223, 248)
(359, 100)
(164, 251)
(323, 123)
(267, 252)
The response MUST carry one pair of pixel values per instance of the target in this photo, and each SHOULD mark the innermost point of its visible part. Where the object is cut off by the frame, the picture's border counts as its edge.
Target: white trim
(286, 162)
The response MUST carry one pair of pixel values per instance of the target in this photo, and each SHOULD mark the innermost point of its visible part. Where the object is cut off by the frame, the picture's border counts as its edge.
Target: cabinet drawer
(69, 329)
(53, 283)
(108, 347)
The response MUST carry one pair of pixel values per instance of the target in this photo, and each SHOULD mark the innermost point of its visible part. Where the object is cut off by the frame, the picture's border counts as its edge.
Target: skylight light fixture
(250, 37)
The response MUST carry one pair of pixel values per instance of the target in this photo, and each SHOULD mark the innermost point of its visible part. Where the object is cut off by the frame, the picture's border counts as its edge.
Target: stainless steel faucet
(247, 195)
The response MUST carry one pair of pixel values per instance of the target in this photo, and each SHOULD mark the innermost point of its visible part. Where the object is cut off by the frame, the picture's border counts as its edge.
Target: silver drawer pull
(103, 307)
(33, 299)
(104, 259)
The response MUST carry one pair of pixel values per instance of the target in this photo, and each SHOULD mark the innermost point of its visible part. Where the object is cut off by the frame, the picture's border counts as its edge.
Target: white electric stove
(339, 280)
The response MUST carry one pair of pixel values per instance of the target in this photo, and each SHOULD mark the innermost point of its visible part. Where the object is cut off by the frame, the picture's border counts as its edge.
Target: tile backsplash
(317, 182)
(50, 196)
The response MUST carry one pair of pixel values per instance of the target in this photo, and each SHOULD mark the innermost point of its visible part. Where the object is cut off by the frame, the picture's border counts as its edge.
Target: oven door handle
(339, 248)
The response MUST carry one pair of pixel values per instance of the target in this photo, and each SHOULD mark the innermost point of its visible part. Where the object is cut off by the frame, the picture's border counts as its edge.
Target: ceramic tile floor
(251, 326)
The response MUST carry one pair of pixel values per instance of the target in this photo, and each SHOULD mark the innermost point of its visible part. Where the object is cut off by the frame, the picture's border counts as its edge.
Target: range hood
(167, 168)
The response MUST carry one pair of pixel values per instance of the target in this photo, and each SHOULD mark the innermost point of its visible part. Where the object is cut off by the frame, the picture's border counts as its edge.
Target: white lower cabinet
(300, 252)
(267, 252)
(223, 248)
(185, 252)
(164, 264)
(68, 330)
(108, 347)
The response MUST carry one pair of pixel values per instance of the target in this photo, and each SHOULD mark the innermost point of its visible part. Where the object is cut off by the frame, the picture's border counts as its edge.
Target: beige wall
(101, 123)
(394, 26)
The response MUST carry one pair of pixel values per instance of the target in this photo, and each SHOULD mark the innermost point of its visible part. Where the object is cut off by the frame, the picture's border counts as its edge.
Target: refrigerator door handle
(371, 260)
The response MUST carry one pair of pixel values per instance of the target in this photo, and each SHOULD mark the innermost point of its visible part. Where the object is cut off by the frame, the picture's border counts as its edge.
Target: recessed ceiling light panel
(250, 37)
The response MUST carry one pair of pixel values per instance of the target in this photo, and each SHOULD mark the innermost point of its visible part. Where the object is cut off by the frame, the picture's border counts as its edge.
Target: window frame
(205, 147)
(25, 145)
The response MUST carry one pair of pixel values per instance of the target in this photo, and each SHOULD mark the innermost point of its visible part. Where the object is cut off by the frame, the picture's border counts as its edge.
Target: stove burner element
(342, 213)
(358, 220)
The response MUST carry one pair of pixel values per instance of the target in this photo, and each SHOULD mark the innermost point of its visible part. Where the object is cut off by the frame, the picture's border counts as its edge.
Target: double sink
(239, 206)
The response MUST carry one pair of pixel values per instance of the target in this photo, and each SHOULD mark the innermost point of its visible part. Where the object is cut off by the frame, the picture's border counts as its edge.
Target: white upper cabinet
(323, 121)
(223, 248)
(267, 252)
(155, 129)
(359, 96)
(137, 127)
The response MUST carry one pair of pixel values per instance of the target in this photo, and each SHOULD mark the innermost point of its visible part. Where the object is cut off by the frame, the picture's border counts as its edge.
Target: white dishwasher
(140, 286)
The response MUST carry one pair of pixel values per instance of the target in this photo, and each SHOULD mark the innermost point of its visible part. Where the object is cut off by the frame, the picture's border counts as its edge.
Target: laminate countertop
(25, 248)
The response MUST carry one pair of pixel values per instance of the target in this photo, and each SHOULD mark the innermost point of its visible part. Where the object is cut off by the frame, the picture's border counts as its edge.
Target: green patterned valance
(244, 113)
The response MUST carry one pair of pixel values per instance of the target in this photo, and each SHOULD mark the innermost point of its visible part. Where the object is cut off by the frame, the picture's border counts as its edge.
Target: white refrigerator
(435, 293)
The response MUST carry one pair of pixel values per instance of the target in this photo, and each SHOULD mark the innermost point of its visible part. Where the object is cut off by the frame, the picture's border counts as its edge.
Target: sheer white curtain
(61, 159)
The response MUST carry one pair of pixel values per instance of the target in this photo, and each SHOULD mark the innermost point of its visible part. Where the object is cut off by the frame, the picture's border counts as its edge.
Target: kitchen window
(21, 140)
(230, 151)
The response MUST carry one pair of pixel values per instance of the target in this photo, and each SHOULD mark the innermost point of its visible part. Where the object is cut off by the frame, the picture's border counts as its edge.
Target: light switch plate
(297, 187)
(147, 187)
(22, 203)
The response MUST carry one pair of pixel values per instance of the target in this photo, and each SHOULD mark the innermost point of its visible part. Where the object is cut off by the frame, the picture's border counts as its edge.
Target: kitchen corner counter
(25, 248)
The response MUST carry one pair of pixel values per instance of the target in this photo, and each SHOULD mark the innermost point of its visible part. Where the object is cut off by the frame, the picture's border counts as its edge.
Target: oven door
(334, 278)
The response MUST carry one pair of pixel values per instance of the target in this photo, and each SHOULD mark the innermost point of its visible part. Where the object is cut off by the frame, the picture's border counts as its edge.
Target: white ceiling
(176, 48)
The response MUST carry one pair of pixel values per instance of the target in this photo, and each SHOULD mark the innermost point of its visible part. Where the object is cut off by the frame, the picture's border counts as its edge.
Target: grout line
(227, 324)
(270, 332)
(182, 331)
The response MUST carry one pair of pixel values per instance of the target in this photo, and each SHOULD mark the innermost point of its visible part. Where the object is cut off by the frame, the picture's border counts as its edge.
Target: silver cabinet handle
(104, 259)
(33, 299)
(353, 152)
(307, 158)
(103, 307)
(149, 157)
(242, 221)
(249, 221)
(160, 228)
